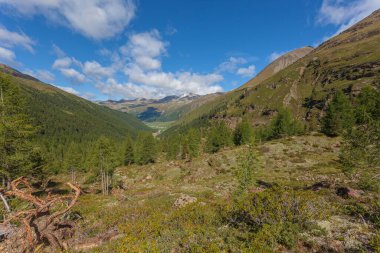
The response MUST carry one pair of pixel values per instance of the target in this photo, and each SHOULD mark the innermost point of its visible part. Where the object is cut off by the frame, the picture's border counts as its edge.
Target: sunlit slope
(63, 117)
(348, 62)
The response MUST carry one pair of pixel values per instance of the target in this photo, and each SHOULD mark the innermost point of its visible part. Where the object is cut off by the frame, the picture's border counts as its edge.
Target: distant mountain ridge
(169, 108)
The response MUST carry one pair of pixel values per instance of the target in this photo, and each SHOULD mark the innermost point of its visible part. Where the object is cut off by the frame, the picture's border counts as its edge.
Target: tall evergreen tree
(129, 152)
(194, 142)
(243, 133)
(361, 145)
(219, 136)
(248, 164)
(339, 116)
(146, 149)
(17, 155)
(73, 160)
(284, 124)
(104, 160)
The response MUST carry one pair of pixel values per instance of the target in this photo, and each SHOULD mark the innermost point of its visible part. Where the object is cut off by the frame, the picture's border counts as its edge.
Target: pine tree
(104, 161)
(194, 142)
(339, 116)
(247, 166)
(173, 147)
(146, 149)
(17, 155)
(361, 145)
(73, 160)
(219, 136)
(129, 152)
(243, 133)
(284, 125)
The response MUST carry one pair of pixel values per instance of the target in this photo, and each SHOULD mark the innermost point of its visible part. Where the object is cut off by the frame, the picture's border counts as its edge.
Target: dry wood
(40, 222)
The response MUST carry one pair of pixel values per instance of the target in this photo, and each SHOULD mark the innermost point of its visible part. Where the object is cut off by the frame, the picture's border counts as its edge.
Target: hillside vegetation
(286, 163)
(348, 62)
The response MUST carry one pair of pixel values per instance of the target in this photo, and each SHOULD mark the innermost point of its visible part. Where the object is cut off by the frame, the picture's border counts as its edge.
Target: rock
(149, 177)
(318, 186)
(346, 192)
(336, 246)
(184, 200)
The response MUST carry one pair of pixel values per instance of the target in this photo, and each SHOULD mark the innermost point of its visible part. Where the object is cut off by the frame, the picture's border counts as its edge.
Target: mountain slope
(346, 62)
(63, 117)
(277, 65)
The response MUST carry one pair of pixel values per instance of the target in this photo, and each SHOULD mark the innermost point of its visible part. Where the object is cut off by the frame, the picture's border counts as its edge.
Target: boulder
(184, 200)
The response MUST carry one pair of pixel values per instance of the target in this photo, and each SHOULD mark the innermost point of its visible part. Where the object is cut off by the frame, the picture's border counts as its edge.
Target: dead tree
(41, 223)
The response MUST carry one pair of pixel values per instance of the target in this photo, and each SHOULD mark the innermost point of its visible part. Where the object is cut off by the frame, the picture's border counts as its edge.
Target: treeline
(217, 135)
(358, 121)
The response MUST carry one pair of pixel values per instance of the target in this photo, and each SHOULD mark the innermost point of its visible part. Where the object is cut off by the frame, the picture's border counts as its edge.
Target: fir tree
(361, 145)
(194, 142)
(104, 161)
(243, 133)
(146, 149)
(284, 125)
(129, 152)
(17, 155)
(339, 116)
(247, 166)
(219, 136)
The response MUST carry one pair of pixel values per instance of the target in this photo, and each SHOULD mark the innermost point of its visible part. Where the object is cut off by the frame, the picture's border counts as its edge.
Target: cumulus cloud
(145, 49)
(344, 14)
(7, 56)
(247, 72)
(94, 69)
(64, 62)
(231, 65)
(73, 75)
(97, 19)
(139, 61)
(11, 39)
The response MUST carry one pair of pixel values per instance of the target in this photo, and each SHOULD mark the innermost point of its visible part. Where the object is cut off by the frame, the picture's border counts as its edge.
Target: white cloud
(127, 90)
(64, 62)
(176, 83)
(231, 65)
(73, 75)
(145, 49)
(58, 51)
(344, 14)
(69, 90)
(247, 72)
(94, 69)
(7, 56)
(41, 74)
(11, 39)
(97, 19)
(140, 62)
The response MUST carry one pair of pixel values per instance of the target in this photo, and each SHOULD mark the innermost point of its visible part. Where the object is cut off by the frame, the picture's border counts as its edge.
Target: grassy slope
(62, 116)
(144, 218)
(348, 61)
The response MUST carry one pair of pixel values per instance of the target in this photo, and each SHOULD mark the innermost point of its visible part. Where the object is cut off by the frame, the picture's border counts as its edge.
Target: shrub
(275, 216)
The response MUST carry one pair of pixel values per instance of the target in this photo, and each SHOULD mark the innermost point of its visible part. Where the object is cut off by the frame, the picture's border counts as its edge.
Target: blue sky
(112, 49)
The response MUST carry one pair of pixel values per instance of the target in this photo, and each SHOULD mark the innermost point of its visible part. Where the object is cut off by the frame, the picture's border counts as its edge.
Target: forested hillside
(62, 119)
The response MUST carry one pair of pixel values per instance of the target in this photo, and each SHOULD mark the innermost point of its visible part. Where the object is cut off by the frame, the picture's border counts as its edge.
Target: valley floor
(186, 206)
